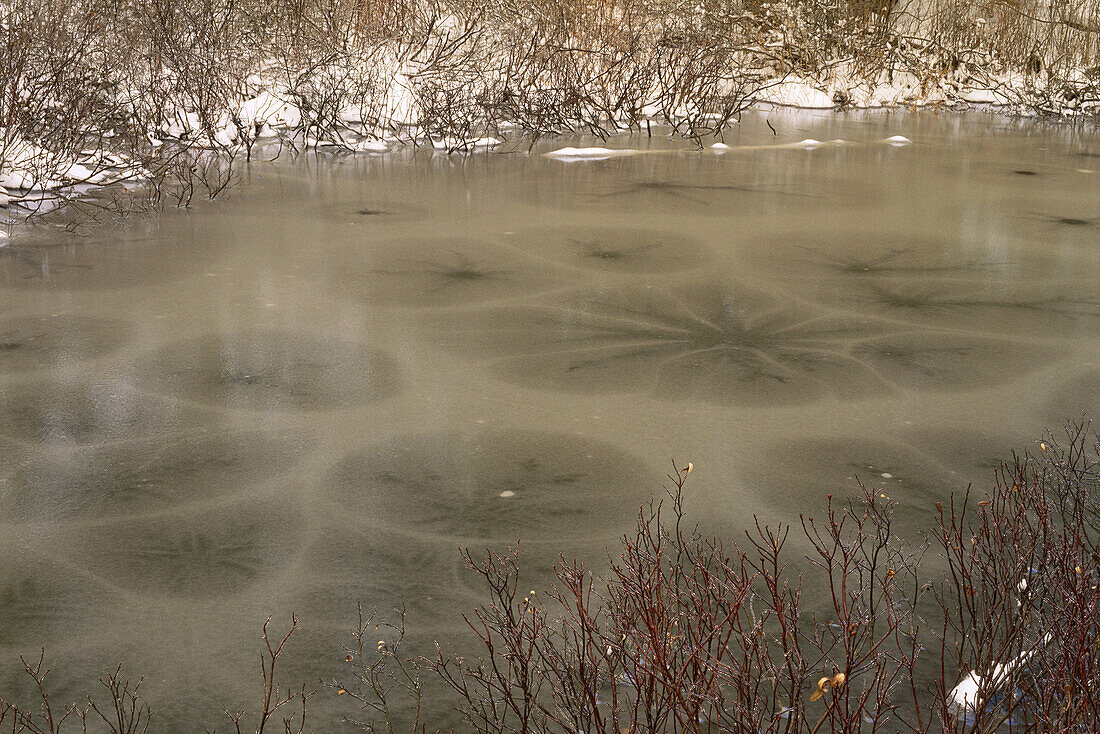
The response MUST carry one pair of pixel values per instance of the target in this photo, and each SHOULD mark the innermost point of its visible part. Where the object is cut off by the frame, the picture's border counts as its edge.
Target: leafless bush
(95, 91)
(381, 673)
(126, 713)
(272, 698)
(688, 634)
(1021, 605)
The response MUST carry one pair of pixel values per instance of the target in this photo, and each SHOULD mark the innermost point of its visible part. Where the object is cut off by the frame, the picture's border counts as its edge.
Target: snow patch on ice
(965, 697)
(591, 153)
(371, 146)
(268, 108)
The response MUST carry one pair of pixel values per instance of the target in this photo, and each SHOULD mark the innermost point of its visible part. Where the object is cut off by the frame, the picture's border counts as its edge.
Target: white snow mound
(589, 153)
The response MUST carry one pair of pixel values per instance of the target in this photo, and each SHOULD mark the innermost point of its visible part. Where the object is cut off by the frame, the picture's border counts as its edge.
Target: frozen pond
(315, 391)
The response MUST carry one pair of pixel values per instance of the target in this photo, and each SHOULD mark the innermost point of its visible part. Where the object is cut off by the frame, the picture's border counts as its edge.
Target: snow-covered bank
(174, 100)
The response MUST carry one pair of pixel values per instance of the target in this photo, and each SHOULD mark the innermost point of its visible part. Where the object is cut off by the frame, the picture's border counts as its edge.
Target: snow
(350, 114)
(591, 153)
(37, 174)
(20, 164)
(797, 92)
(269, 109)
(965, 697)
(227, 136)
(370, 146)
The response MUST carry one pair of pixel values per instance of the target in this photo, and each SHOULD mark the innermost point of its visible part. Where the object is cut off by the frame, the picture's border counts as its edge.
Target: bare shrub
(687, 634)
(126, 713)
(272, 698)
(384, 680)
(102, 91)
(1020, 604)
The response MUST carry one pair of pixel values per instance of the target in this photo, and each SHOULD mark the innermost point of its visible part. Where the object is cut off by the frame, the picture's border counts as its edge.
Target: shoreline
(147, 108)
(25, 194)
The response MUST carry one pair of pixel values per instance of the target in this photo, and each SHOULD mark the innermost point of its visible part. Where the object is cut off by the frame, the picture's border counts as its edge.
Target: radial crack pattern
(216, 552)
(491, 484)
(615, 249)
(270, 370)
(141, 476)
(721, 344)
(433, 272)
(968, 307)
(33, 343)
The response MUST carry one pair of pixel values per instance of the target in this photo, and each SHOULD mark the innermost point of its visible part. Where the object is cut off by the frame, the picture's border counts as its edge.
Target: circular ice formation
(808, 470)
(113, 259)
(632, 185)
(707, 343)
(988, 306)
(450, 483)
(441, 271)
(874, 257)
(365, 210)
(32, 343)
(216, 552)
(719, 343)
(916, 472)
(141, 476)
(385, 571)
(932, 360)
(86, 413)
(270, 370)
(616, 249)
(39, 600)
(946, 282)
